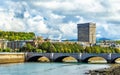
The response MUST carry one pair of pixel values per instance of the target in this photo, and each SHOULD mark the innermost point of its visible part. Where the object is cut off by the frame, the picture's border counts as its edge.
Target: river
(48, 68)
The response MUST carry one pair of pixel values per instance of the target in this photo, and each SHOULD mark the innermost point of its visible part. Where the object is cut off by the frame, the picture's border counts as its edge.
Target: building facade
(20, 43)
(15, 44)
(87, 32)
(3, 43)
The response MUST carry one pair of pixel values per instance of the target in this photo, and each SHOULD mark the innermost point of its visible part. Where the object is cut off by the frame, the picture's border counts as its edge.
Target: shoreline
(114, 69)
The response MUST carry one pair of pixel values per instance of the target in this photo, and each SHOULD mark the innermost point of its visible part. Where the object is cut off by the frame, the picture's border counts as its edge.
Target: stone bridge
(80, 57)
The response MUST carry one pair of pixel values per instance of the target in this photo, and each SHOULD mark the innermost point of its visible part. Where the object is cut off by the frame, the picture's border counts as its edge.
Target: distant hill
(102, 39)
(97, 39)
(70, 40)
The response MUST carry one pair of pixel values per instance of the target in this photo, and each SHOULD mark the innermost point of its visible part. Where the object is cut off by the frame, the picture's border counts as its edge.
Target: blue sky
(55, 17)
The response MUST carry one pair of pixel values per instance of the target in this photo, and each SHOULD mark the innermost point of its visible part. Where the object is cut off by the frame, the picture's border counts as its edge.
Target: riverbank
(114, 69)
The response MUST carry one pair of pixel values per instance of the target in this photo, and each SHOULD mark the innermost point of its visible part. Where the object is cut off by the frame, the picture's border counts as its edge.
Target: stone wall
(11, 58)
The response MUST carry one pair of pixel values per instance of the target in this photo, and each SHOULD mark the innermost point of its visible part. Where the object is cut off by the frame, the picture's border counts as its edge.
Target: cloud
(69, 30)
(54, 17)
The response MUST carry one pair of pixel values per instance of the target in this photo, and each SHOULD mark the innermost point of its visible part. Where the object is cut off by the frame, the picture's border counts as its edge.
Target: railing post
(25, 56)
(51, 57)
(109, 58)
(80, 57)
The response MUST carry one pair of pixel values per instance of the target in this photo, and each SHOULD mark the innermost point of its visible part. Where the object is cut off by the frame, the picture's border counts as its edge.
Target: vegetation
(10, 35)
(117, 42)
(6, 50)
(98, 49)
(47, 47)
(53, 47)
(63, 47)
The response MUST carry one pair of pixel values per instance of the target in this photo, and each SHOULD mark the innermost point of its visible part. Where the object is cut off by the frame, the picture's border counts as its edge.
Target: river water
(48, 68)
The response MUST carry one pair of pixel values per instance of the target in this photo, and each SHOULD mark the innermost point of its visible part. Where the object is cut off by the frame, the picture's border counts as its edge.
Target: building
(87, 33)
(38, 40)
(3, 43)
(15, 44)
(31, 42)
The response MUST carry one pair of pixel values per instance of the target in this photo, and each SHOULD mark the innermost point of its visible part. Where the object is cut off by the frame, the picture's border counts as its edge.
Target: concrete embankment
(11, 57)
(114, 69)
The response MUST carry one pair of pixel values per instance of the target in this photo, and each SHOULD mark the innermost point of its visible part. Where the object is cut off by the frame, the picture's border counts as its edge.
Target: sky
(60, 17)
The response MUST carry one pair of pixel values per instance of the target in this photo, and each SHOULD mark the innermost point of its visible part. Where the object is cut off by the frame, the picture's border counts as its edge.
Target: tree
(88, 50)
(10, 35)
(116, 50)
(52, 48)
(44, 46)
(7, 50)
(39, 50)
(95, 49)
(28, 48)
(1, 50)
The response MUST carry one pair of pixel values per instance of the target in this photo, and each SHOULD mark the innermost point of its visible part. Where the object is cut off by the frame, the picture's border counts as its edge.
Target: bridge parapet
(79, 56)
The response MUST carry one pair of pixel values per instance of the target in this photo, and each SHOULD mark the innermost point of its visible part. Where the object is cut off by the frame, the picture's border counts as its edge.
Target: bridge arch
(35, 58)
(60, 59)
(114, 60)
(114, 57)
(86, 56)
(86, 60)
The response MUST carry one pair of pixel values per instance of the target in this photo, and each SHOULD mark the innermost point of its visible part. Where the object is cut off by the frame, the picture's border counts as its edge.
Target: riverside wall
(11, 57)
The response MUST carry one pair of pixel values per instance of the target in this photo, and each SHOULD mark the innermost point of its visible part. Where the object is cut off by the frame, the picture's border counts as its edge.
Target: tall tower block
(87, 32)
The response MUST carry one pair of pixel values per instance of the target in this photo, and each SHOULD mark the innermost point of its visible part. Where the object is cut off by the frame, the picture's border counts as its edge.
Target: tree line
(11, 36)
(59, 47)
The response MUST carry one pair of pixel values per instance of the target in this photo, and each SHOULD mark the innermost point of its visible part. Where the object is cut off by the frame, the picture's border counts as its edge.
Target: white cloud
(55, 16)
(98, 36)
(37, 24)
(60, 17)
(26, 14)
(69, 29)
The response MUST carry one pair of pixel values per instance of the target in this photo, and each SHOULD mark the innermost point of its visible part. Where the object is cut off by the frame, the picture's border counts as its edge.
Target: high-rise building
(87, 32)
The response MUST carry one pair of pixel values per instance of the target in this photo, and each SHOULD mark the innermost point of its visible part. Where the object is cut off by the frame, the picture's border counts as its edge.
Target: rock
(113, 70)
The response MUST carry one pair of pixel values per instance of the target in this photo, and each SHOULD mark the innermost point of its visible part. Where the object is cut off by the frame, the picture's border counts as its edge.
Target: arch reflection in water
(95, 60)
(39, 59)
(117, 60)
(66, 59)
(43, 59)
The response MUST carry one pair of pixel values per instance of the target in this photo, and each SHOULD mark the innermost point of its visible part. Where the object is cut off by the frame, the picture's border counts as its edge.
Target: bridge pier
(109, 61)
(79, 57)
(51, 57)
(109, 58)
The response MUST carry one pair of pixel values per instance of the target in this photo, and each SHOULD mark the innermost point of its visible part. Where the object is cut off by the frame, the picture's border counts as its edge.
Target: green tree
(7, 50)
(10, 35)
(52, 49)
(88, 50)
(39, 50)
(116, 50)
